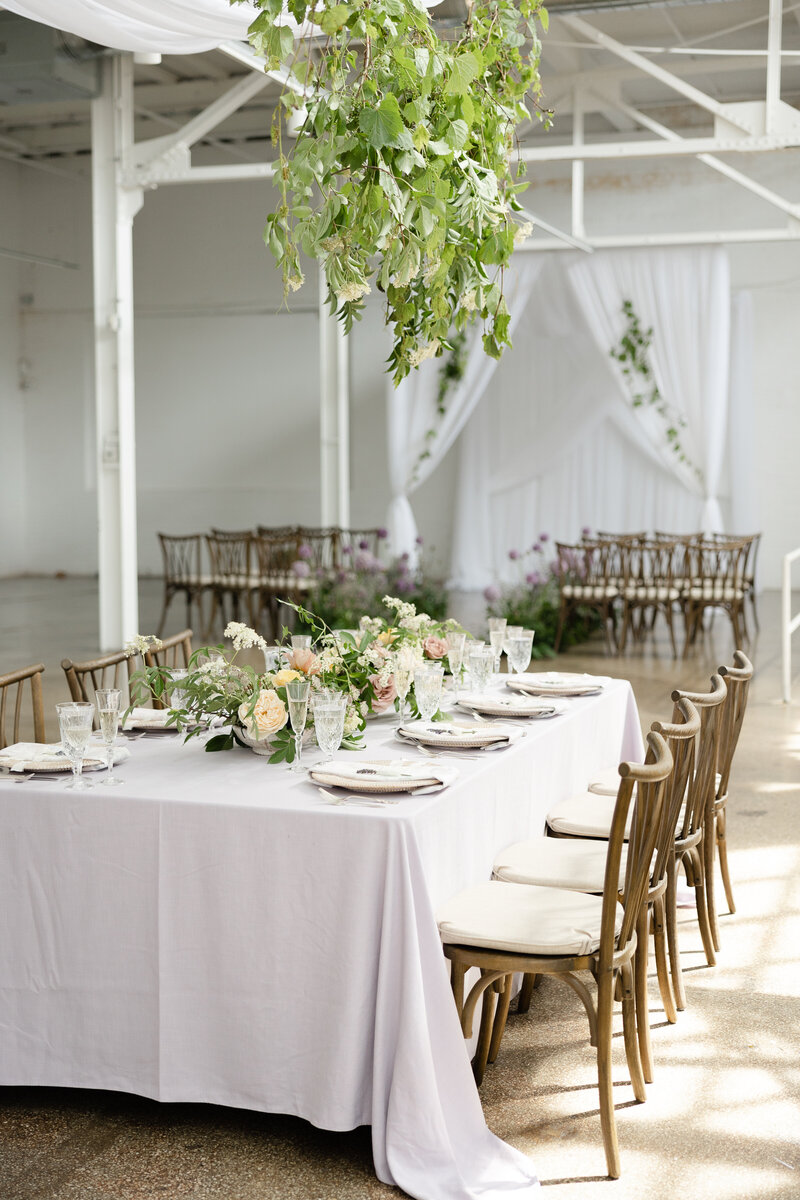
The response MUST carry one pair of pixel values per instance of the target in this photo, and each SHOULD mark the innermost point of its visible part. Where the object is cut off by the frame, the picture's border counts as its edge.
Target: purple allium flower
(587, 529)
(304, 551)
(364, 561)
(513, 555)
(404, 586)
(347, 550)
(544, 537)
(419, 540)
(363, 544)
(301, 569)
(404, 557)
(383, 534)
(537, 547)
(491, 594)
(533, 578)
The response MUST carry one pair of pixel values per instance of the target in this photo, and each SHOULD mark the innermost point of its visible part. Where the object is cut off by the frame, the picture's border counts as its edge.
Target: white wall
(227, 386)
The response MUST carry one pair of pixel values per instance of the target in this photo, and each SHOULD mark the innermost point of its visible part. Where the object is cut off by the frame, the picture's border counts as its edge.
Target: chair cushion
(589, 591)
(523, 919)
(572, 863)
(651, 591)
(605, 782)
(586, 815)
(713, 589)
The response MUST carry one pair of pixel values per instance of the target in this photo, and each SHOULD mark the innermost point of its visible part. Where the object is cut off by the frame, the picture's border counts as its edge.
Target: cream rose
(384, 694)
(268, 716)
(281, 678)
(434, 647)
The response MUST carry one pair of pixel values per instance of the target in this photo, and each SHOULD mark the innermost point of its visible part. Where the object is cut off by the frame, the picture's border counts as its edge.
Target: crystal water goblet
(519, 650)
(297, 696)
(428, 689)
(301, 641)
(329, 724)
(75, 722)
(455, 656)
(107, 701)
(511, 631)
(177, 696)
(480, 662)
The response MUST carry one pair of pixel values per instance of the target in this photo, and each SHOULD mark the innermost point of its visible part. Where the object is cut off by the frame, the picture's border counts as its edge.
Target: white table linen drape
(214, 932)
(684, 295)
(411, 411)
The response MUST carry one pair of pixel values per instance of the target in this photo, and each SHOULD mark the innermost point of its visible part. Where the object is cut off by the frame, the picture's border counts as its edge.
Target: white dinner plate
(517, 705)
(379, 776)
(456, 735)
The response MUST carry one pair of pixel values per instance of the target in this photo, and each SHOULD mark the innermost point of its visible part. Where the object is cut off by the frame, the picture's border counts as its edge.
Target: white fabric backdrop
(166, 26)
(411, 411)
(556, 446)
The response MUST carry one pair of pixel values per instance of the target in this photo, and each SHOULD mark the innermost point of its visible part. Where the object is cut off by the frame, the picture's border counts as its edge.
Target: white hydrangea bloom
(243, 637)
(142, 643)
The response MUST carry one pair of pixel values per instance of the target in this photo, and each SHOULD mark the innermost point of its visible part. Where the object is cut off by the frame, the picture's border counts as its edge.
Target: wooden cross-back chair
(738, 679)
(173, 652)
(110, 671)
(12, 696)
(231, 580)
(502, 928)
(277, 578)
(587, 576)
(648, 587)
(690, 831)
(319, 547)
(181, 557)
(752, 542)
(356, 540)
(715, 578)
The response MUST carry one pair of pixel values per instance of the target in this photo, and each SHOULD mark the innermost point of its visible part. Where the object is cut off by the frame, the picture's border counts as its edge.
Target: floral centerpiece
(361, 664)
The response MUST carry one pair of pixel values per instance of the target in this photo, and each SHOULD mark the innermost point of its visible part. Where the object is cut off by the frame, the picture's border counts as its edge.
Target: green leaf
(465, 69)
(383, 126)
(334, 18)
(222, 741)
(457, 134)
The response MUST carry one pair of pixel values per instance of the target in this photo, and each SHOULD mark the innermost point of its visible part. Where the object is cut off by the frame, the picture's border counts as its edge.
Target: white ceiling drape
(158, 26)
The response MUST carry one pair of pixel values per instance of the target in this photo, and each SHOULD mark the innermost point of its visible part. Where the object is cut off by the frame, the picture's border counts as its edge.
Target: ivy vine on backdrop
(633, 355)
(401, 175)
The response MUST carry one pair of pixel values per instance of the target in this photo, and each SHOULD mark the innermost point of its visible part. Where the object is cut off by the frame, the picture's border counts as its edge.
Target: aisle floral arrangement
(361, 664)
(533, 601)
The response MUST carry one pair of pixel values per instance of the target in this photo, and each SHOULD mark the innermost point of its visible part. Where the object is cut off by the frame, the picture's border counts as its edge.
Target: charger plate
(454, 736)
(552, 683)
(520, 705)
(365, 778)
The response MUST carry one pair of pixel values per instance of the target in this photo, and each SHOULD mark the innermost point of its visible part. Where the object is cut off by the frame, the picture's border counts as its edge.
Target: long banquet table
(215, 932)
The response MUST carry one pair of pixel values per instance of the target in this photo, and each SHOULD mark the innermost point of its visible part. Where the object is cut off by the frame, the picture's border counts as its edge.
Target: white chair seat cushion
(590, 591)
(523, 919)
(605, 782)
(711, 589)
(586, 815)
(651, 591)
(573, 863)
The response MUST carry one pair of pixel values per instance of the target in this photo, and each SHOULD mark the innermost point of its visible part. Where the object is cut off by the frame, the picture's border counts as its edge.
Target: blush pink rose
(305, 661)
(384, 694)
(434, 647)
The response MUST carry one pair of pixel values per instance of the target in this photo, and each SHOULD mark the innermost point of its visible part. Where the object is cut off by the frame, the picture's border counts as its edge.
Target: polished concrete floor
(722, 1119)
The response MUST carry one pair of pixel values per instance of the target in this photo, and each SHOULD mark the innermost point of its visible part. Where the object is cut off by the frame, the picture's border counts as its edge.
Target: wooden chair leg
(630, 1037)
(662, 971)
(485, 1035)
(562, 613)
(709, 856)
(697, 881)
(604, 1078)
(642, 998)
(167, 600)
(500, 1018)
(671, 907)
(526, 991)
(722, 852)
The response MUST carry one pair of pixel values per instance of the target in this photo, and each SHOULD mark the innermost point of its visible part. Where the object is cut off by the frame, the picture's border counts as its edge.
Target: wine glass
(107, 700)
(297, 695)
(519, 649)
(75, 720)
(480, 661)
(177, 697)
(301, 641)
(511, 631)
(428, 689)
(329, 724)
(455, 656)
(497, 636)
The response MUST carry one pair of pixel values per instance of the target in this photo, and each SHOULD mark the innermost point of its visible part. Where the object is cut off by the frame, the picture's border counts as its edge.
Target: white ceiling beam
(576, 243)
(774, 33)
(669, 79)
(196, 129)
(646, 149)
(716, 164)
(636, 240)
(229, 173)
(247, 56)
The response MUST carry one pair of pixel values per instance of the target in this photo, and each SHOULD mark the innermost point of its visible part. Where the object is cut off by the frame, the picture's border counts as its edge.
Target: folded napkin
(153, 718)
(529, 688)
(519, 704)
(409, 770)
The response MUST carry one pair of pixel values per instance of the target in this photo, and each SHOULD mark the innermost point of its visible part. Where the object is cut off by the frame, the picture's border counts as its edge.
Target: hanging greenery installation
(402, 175)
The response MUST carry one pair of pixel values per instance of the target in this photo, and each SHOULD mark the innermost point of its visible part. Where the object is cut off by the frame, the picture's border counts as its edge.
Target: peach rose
(434, 647)
(281, 678)
(384, 694)
(305, 661)
(268, 716)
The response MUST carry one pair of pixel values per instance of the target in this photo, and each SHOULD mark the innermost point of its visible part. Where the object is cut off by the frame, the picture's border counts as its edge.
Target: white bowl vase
(257, 745)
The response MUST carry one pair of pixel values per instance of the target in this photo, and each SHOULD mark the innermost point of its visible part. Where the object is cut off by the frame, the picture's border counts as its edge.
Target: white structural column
(774, 63)
(578, 222)
(113, 209)
(334, 415)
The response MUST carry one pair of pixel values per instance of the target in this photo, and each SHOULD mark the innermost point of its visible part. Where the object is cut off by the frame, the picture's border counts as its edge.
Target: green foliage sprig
(633, 355)
(401, 172)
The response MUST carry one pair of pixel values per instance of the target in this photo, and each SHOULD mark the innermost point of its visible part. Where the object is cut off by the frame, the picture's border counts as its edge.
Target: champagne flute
(75, 721)
(297, 695)
(455, 656)
(402, 684)
(107, 700)
(497, 635)
(428, 689)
